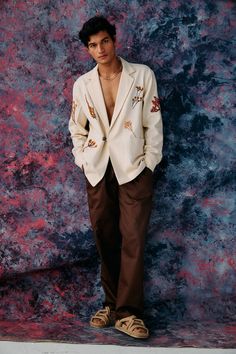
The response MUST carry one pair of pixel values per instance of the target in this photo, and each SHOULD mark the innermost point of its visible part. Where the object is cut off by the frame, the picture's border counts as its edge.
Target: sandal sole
(98, 326)
(92, 324)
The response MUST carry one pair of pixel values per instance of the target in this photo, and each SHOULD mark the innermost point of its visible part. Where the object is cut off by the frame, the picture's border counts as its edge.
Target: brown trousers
(119, 216)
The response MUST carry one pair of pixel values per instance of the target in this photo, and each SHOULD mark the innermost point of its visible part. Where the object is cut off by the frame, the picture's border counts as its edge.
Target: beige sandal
(130, 324)
(104, 317)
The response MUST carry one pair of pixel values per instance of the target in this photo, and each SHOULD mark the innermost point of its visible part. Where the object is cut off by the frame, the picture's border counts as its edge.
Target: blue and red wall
(48, 260)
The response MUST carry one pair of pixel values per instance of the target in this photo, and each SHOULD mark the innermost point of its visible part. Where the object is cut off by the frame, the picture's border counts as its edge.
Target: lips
(102, 56)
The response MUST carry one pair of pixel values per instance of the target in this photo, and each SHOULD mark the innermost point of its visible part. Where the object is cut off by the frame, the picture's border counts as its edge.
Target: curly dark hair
(95, 25)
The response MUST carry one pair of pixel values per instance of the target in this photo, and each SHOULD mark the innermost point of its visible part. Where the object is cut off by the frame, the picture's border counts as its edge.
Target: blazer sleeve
(152, 123)
(77, 128)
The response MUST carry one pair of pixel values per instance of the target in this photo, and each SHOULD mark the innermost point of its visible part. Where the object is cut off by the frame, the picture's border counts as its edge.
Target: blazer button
(104, 138)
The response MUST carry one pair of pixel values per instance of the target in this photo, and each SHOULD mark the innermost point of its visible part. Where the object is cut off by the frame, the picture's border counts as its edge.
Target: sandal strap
(132, 323)
(103, 315)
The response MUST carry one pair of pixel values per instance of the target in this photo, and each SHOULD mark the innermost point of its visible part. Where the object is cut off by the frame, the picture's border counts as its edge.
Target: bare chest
(110, 89)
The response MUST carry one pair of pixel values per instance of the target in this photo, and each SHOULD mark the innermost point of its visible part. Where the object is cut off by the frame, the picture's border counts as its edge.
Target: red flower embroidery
(91, 109)
(155, 104)
(128, 125)
(74, 105)
(91, 144)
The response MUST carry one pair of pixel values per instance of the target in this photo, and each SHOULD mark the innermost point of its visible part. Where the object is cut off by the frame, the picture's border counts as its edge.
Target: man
(116, 129)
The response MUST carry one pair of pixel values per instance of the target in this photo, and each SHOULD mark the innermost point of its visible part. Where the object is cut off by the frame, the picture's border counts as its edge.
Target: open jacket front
(134, 137)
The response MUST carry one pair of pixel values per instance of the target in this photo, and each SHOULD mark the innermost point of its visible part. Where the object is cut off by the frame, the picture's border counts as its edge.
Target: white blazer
(133, 139)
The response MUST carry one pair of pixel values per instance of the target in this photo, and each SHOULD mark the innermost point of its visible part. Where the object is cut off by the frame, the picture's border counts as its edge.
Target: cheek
(111, 47)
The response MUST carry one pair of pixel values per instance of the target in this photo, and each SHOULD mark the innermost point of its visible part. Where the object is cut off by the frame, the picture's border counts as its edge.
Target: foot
(132, 326)
(102, 318)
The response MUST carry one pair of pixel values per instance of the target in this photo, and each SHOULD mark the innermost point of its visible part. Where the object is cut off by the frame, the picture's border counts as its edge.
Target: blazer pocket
(136, 147)
(91, 151)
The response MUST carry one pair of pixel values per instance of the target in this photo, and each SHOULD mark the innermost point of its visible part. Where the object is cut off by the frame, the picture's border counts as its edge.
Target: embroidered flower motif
(128, 125)
(138, 97)
(91, 109)
(91, 144)
(73, 108)
(155, 104)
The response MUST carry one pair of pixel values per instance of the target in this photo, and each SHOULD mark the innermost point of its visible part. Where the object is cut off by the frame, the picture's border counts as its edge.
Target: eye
(106, 40)
(92, 45)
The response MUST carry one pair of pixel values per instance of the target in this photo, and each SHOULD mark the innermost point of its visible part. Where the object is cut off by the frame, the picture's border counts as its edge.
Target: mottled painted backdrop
(49, 264)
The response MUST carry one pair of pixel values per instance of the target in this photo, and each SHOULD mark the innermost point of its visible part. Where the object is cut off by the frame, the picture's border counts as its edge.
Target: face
(101, 47)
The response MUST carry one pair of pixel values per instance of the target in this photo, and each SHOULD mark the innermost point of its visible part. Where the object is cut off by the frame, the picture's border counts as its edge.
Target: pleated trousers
(119, 216)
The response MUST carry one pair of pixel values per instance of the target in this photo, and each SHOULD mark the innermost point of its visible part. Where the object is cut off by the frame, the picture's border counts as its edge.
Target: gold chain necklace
(113, 76)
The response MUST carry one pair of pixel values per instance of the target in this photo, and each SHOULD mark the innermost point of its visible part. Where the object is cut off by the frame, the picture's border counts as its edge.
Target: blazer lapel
(96, 96)
(126, 81)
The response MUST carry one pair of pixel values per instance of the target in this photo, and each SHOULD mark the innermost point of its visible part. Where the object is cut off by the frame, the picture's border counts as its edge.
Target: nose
(100, 48)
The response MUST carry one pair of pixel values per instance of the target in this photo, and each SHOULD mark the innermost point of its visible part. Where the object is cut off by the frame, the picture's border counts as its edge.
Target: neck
(109, 68)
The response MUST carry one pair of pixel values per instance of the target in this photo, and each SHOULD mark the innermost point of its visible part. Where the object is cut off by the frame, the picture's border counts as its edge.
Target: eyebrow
(100, 41)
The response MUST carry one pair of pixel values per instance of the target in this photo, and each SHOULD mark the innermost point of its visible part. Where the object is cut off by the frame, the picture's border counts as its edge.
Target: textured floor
(64, 348)
(198, 335)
